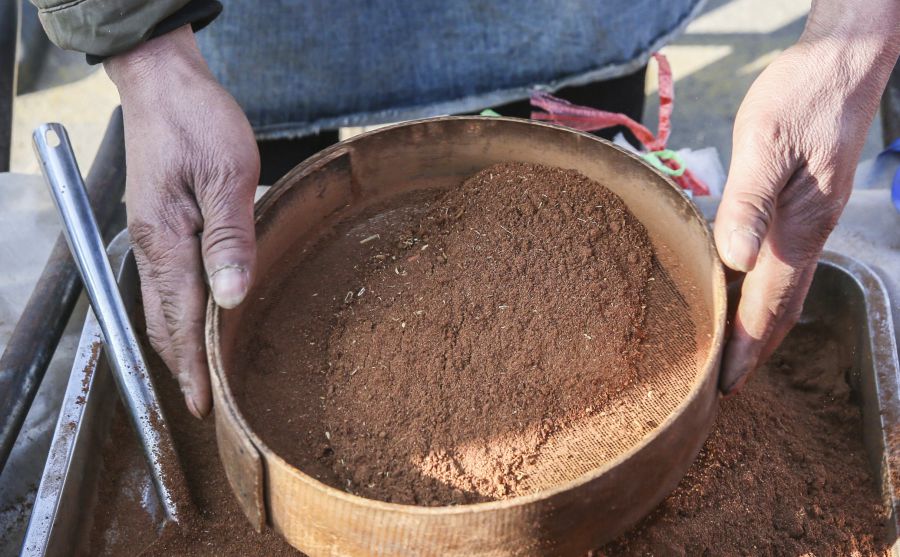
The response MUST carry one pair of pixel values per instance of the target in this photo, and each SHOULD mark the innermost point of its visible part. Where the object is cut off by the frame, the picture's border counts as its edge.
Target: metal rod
(36, 335)
(51, 144)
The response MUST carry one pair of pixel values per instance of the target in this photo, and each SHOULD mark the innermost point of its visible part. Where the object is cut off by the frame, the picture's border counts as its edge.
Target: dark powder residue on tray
(214, 525)
(784, 471)
(430, 365)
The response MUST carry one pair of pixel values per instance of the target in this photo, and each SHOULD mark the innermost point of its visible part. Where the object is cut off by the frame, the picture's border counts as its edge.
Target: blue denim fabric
(298, 66)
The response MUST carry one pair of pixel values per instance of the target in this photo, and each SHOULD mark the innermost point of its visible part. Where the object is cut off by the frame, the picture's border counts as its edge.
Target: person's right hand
(192, 170)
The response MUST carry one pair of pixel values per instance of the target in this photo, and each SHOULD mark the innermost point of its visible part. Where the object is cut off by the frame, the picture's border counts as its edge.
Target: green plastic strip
(655, 158)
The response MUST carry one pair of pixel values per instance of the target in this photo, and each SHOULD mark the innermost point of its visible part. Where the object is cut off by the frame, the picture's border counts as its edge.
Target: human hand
(192, 170)
(797, 140)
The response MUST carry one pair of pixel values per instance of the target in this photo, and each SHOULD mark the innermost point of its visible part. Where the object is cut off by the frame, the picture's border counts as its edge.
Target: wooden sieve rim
(709, 367)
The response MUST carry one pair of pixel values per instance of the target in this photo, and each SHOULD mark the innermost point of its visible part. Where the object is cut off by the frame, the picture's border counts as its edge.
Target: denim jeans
(300, 66)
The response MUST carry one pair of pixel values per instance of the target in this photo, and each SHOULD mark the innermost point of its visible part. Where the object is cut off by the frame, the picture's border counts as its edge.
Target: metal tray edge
(69, 433)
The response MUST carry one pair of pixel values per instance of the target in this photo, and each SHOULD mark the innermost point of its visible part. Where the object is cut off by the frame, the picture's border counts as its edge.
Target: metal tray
(846, 296)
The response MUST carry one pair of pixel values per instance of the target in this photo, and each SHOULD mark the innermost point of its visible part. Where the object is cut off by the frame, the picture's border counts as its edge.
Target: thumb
(755, 179)
(229, 242)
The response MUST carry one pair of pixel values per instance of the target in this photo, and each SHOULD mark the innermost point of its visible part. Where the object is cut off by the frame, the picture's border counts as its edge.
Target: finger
(175, 275)
(770, 304)
(773, 292)
(229, 238)
(157, 330)
(794, 312)
(755, 179)
(733, 295)
(183, 299)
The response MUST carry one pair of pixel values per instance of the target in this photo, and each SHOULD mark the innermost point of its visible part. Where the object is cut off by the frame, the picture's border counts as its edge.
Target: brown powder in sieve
(431, 363)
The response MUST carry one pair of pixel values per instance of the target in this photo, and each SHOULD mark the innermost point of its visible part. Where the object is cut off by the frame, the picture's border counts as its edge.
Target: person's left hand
(797, 139)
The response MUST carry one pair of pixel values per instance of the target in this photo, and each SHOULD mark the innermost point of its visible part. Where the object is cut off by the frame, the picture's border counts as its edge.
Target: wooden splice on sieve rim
(612, 476)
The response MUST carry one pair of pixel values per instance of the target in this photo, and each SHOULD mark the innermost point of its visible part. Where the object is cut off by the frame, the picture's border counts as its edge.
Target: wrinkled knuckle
(182, 322)
(811, 245)
(172, 310)
(168, 215)
(232, 171)
(158, 246)
(153, 245)
(143, 233)
(826, 214)
(224, 208)
(760, 206)
(813, 221)
(158, 336)
(227, 237)
(159, 236)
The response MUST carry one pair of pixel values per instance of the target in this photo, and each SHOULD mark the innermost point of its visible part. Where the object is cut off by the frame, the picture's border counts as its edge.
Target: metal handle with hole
(60, 170)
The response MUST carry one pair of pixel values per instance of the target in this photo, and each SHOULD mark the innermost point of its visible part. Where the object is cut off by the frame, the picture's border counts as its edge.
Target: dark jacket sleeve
(102, 28)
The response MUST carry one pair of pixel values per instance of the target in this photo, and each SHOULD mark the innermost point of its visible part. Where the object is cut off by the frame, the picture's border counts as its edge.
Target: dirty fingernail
(736, 387)
(737, 364)
(229, 286)
(743, 248)
(192, 406)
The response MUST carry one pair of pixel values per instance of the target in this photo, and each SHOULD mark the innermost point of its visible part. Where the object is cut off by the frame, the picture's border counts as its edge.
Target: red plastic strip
(588, 119)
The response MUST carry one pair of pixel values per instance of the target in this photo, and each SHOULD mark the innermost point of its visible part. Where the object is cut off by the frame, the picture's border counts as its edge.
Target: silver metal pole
(51, 144)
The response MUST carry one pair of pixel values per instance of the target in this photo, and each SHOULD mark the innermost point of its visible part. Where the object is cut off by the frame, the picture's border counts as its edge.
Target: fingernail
(229, 286)
(192, 406)
(737, 364)
(743, 248)
(737, 386)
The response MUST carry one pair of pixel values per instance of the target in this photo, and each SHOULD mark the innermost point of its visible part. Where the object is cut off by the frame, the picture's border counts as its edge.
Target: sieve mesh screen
(667, 367)
(669, 363)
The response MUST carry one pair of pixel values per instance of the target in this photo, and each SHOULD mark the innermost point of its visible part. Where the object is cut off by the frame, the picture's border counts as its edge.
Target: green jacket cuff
(103, 28)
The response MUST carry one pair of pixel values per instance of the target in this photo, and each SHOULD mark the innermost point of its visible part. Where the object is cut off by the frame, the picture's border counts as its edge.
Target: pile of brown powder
(216, 526)
(467, 335)
(784, 472)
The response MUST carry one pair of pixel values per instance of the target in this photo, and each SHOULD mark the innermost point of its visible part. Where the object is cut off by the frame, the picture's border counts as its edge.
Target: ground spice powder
(467, 336)
(784, 471)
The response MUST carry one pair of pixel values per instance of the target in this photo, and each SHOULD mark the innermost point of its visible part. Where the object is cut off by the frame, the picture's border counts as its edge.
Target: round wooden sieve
(611, 471)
